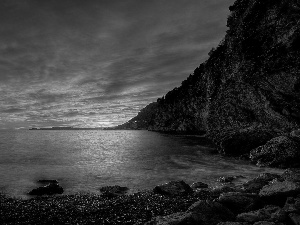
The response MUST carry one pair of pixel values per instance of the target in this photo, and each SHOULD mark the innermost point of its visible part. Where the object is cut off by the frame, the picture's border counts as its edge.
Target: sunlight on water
(84, 161)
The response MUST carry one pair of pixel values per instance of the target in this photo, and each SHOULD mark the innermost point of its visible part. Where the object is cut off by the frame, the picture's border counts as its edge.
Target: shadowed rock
(50, 189)
(173, 188)
(201, 212)
(256, 184)
(113, 191)
(282, 151)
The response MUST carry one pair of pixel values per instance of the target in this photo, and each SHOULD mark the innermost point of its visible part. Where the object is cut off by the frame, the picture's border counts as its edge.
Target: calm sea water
(84, 161)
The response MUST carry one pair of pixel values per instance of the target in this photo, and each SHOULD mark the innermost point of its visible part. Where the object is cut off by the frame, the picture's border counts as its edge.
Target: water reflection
(87, 160)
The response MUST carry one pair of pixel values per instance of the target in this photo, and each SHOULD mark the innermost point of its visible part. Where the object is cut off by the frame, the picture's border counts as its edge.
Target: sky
(97, 63)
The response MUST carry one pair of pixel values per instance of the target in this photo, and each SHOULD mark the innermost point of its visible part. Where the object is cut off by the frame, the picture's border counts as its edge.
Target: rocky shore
(268, 199)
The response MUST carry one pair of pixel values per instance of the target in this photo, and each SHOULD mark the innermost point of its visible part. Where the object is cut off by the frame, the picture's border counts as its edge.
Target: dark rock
(173, 188)
(225, 179)
(291, 174)
(256, 184)
(233, 223)
(201, 212)
(242, 141)
(230, 179)
(49, 189)
(295, 218)
(113, 191)
(295, 134)
(197, 185)
(264, 214)
(217, 191)
(277, 191)
(239, 202)
(292, 205)
(265, 223)
(282, 151)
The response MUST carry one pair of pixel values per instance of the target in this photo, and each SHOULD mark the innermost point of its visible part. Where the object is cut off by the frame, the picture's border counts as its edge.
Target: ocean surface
(85, 160)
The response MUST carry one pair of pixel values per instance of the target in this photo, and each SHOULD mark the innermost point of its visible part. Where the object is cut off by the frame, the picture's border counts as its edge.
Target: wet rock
(173, 188)
(295, 134)
(264, 214)
(233, 223)
(113, 191)
(291, 174)
(277, 191)
(217, 191)
(295, 218)
(197, 185)
(48, 181)
(282, 151)
(256, 184)
(239, 202)
(292, 205)
(201, 212)
(265, 223)
(50, 189)
(242, 141)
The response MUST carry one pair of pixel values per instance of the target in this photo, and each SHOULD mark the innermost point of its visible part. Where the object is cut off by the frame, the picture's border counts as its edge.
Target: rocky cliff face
(248, 91)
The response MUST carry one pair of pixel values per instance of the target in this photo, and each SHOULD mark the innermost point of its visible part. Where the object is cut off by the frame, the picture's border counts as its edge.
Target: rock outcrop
(248, 91)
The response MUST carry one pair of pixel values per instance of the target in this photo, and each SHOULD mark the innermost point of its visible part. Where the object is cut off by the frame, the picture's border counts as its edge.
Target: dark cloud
(94, 63)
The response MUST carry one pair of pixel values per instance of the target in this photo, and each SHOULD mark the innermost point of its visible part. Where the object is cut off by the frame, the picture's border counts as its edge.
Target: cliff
(248, 91)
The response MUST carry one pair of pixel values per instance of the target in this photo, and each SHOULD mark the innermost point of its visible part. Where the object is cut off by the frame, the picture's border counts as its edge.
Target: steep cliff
(248, 91)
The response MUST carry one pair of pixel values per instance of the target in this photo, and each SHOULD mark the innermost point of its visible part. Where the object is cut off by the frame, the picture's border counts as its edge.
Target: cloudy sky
(91, 63)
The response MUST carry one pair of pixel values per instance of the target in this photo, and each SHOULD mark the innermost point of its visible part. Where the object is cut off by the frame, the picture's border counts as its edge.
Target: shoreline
(163, 202)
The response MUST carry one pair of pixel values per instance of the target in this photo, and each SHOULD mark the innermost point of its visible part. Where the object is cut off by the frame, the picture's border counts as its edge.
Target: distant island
(66, 128)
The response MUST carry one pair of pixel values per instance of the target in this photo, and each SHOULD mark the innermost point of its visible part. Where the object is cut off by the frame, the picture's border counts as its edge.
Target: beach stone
(239, 202)
(197, 185)
(282, 151)
(291, 174)
(277, 191)
(49, 189)
(256, 184)
(113, 191)
(173, 188)
(295, 218)
(264, 214)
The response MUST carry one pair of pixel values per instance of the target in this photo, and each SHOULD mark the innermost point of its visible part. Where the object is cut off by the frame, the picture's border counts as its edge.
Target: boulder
(233, 223)
(277, 192)
(292, 205)
(50, 189)
(197, 185)
(295, 218)
(113, 191)
(295, 134)
(291, 174)
(217, 191)
(239, 202)
(282, 151)
(256, 184)
(201, 212)
(242, 141)
(264, 214)
(173, 188)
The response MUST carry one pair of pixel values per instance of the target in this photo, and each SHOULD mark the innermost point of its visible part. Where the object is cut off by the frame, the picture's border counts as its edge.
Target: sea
(82, 161)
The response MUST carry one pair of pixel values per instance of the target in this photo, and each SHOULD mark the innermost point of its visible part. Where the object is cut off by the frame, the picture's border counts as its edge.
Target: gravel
(136, 208)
